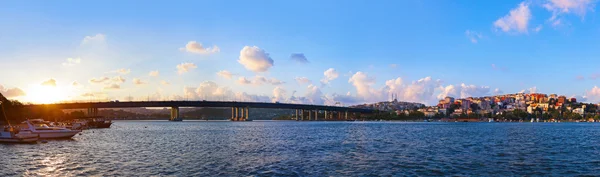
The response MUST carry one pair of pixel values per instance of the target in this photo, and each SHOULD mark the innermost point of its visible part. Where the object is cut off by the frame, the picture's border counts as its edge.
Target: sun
(45, 94)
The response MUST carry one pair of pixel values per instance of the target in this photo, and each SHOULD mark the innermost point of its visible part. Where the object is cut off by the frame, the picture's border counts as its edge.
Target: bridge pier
(296, 115)
(92, 112)
(309, 114)
(240, 114)
(175, 114)
(326, 115)
(317, 114)
(346, 118)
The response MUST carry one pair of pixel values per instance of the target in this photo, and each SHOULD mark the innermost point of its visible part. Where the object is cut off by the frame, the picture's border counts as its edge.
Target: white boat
(13, 135)
(46, 132)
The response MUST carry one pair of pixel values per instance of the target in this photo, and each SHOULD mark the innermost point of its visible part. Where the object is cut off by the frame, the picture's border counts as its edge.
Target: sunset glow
(45, 94)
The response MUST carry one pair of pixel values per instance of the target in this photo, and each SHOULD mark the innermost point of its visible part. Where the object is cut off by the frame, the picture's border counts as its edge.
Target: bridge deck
(217, 104)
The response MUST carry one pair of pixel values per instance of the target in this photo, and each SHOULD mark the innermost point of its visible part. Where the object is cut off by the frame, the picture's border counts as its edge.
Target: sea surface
(287, 148)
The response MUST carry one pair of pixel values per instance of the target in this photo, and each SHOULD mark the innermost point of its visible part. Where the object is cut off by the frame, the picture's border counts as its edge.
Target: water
(154, 148)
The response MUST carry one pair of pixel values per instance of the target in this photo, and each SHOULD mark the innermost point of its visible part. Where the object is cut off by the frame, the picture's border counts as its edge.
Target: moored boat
(11, 134)
(46, 132)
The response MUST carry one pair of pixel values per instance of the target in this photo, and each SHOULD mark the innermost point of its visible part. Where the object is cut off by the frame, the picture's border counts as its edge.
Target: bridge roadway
(239, 110)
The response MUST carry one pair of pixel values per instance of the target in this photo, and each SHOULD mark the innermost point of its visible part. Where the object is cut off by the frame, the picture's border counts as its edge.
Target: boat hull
(56, 135)
(19, 140)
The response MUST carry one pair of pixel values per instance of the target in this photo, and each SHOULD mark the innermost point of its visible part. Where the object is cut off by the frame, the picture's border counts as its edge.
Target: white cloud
(497, 91)
(122, 71)
(393, 65)
(49, 82)
(517, 20)
(138, 81)
(112, 87)
(330, 74)
(185, 67)
(362, 82)
(594, 94)
(118, 79)
(242, 80)
(279, 94)
(164, 82)
(154, 73)
(538, 28)
(259, 80)
(303, 80)
(99, 80)
(72, 61)
(255, 59)
(562, 7)
(12, 92)
(76, 84)
(195, 47)
(473, 36)
(464, 91)
(299, 57)
(98, 38)
(530, 90)
(225, 74)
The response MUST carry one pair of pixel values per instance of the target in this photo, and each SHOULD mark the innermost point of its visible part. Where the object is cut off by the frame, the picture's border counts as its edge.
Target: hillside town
(518, 107)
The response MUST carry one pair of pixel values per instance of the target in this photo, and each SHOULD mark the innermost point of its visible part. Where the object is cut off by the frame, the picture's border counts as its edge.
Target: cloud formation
(164, 82)
(138, 81)
(464, 91)
(99, 80)
(112, 87)
(154, 73)
(299, 57)
(259, 80)
(517, 20)
(198, 48)
(49, 82)
(72, 61)
(594, 94)
(76, 84)
(225, 74)
(329, 75)
(98, 38)
(185, 67)
(12, 92)
(303, 80)
(118, 79)
(559, 8)
(255, 59)
(473, 36)
(122, 71)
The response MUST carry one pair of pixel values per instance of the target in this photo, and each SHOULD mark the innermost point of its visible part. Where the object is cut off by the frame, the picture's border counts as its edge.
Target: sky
(312, 52)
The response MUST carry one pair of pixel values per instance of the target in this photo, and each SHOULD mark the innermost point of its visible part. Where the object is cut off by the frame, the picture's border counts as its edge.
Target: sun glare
(45, 94)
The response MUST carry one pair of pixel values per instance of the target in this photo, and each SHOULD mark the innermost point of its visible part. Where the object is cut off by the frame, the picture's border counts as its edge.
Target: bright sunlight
(45, 94)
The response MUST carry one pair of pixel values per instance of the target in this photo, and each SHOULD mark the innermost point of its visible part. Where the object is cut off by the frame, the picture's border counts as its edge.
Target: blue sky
(420, 50)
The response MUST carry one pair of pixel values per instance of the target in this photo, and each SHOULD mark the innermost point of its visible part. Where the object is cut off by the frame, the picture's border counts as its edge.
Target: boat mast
(4, 114)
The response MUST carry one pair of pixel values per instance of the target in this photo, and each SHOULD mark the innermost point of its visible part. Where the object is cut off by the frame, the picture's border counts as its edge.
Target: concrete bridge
(239, 110)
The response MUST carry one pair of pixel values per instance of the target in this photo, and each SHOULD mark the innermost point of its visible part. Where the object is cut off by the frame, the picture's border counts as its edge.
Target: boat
(100, 123)
(10, 134)
(46, 132)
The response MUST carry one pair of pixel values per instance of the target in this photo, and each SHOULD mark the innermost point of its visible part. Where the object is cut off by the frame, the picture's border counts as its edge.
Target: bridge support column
(346, 118)
(242, 115)
(247, 114)
(232, 114)
(309, 115)
(175, 114)
(237, 114)
(317, 114)
(92, 112)
(326, 115)
(296, 115)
